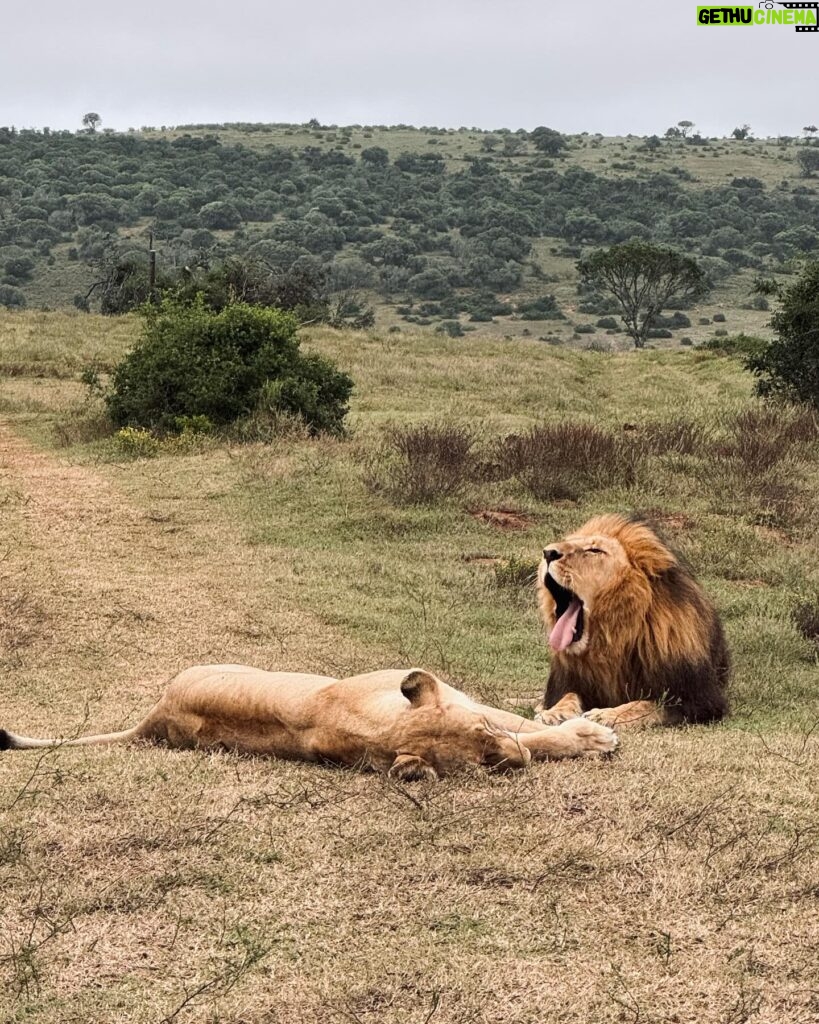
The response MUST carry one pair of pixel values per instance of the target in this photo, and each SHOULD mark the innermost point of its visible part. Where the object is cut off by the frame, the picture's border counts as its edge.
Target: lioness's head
(449, 734)
(589, 581)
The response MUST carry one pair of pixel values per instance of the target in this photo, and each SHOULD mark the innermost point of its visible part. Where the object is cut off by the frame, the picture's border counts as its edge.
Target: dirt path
(125, 584)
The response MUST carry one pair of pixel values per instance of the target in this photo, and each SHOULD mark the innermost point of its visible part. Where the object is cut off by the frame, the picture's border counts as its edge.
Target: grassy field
(674, 883)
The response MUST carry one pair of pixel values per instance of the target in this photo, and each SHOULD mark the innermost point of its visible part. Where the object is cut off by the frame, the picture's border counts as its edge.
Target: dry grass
(674, 883)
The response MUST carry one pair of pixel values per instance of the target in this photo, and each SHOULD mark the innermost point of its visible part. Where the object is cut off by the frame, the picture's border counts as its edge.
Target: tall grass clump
(566, 460)
(758, 461)
(421, 464)
(678, 436)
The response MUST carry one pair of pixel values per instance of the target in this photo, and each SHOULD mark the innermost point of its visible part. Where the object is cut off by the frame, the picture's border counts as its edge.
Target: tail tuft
(5, 740)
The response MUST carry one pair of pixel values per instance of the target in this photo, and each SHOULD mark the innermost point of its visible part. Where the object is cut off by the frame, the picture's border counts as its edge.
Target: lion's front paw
(557, 717)
(591, 738)
(548, 719)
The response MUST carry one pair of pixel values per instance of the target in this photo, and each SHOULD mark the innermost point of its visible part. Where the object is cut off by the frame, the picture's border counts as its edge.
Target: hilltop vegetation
(451, 227)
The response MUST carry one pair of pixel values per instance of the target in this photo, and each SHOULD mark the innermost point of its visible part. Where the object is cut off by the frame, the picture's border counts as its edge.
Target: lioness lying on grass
(406, 722)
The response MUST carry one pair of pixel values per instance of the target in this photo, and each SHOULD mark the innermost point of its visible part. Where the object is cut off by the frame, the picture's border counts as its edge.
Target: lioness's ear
(420, 688)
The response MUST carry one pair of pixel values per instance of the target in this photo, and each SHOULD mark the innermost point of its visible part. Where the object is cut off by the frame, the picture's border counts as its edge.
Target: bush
(451, 327)
(194, 362)
(719, 318)
(673, 322)
(758, 462)
(566, 460)
(735, 344)
(136, 443)
(11, 298)
(421, 464)
(609, 323)
(543, 308)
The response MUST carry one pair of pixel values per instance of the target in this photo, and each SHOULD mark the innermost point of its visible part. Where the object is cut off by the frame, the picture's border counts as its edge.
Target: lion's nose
(551, 555)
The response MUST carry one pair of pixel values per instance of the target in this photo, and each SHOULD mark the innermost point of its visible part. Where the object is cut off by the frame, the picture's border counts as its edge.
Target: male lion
(635, 640)
(403, 721)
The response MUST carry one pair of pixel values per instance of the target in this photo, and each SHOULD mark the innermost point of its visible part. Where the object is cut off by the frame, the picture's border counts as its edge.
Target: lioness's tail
(11, 741)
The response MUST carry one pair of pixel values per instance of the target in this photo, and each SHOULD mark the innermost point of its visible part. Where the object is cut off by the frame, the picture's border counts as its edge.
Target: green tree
(643, 278)
(788, 367)
(220, 216)
(513, 144)
(808, 157)
(92, 121)
(376, 155)
(548, 141)
(743, 132)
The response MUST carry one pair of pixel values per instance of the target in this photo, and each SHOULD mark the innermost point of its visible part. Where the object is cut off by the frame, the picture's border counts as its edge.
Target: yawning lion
(635, 641)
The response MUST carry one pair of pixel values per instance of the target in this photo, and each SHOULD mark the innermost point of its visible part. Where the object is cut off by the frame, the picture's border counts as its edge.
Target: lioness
(406, 722)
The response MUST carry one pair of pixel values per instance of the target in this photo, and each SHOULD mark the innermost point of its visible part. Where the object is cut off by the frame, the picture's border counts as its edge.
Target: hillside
(458, 229)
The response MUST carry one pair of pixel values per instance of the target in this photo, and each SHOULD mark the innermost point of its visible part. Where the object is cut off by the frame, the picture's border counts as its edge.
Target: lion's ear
(420, 688)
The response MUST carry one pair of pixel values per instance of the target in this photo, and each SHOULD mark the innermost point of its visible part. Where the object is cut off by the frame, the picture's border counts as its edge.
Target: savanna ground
(677, 882)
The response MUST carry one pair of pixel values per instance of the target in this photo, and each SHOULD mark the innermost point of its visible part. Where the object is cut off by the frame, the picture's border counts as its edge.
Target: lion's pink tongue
(563, 631)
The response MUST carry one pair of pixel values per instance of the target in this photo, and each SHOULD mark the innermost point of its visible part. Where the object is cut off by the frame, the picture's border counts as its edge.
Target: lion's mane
(653, 633)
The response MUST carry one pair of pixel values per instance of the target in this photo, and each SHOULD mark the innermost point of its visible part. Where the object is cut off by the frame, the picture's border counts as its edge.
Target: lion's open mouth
(568, 627)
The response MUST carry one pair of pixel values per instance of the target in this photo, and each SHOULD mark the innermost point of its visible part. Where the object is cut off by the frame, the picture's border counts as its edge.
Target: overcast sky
(579, 65)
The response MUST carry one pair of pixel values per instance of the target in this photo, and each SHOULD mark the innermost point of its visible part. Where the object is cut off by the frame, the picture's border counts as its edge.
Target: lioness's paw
(412, 769)
(590, 737)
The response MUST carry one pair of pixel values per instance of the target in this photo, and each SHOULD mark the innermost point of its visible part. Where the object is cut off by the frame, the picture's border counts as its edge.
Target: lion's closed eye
(595, 551)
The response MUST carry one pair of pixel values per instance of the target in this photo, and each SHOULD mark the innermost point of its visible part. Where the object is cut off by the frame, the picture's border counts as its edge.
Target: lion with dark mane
(635, 641)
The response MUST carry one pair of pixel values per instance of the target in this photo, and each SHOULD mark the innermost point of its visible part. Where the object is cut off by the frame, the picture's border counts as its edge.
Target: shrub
(194, 362)
(757, 462)
(585, 329)
(11, 297)
(608, 322)
(566, 460)
(719, 318)
(451, 327)
(136, 443)
(543, 308)
(762, 438)
(735, 344)
(673, 322)
(420, 464)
